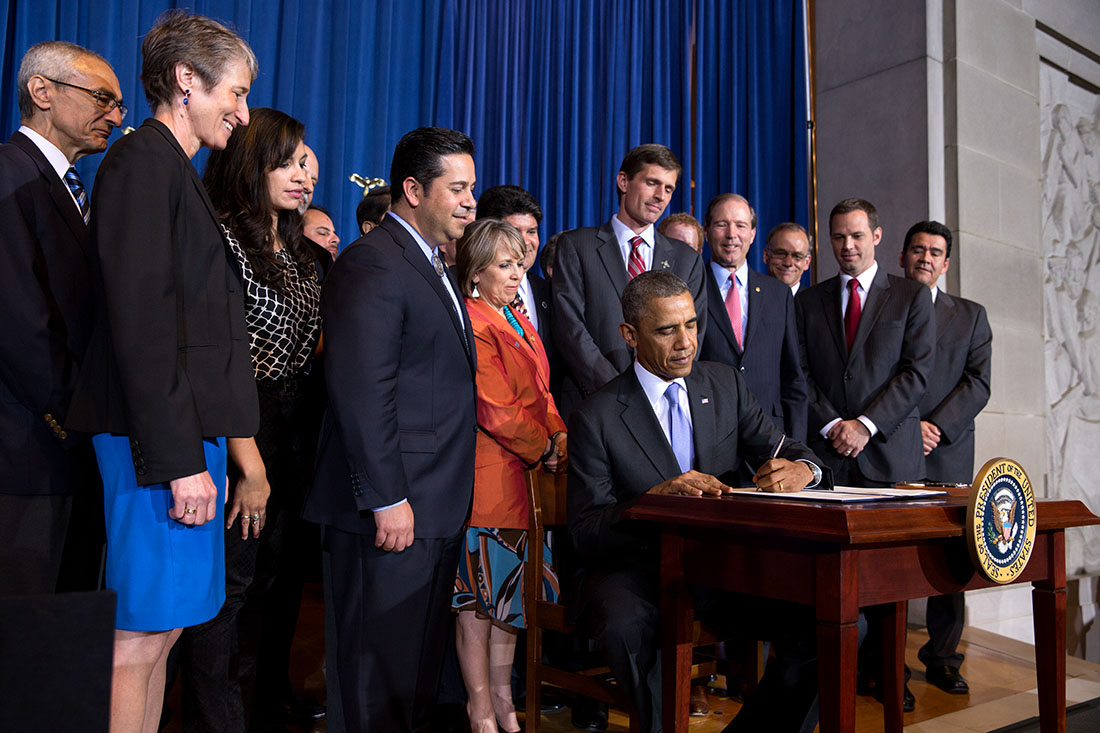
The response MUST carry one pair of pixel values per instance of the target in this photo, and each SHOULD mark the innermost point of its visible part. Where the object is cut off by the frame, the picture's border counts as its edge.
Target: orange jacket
(515, 412)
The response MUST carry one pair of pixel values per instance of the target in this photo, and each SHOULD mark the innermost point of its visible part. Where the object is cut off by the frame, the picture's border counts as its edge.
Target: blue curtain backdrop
(553, 92)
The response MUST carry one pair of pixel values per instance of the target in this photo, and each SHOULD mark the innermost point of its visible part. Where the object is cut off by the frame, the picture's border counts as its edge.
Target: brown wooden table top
(856, 523)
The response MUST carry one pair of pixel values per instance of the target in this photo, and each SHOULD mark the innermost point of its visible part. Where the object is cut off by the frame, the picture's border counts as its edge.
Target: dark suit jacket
(402, 418)
(588, 282)
(769, 364)
(46, 299)
(540, 288)
(958, 387)
(169, 361)
(617, 452)
(884, 376)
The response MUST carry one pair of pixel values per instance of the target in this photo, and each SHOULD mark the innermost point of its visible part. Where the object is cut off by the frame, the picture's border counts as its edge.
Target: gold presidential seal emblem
(1000, 520)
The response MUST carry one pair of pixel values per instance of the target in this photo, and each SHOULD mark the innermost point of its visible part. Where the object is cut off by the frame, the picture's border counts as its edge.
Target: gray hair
(477, 249)
(50, 60)
(645, 287)
(205, 45)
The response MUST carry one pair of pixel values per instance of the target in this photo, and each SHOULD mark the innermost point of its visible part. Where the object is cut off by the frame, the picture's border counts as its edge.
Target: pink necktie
(637, 264)
(733, 308)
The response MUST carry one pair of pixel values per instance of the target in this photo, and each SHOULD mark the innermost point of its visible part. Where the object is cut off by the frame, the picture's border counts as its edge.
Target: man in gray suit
(867, 341)
(593, 265)
(957, 391)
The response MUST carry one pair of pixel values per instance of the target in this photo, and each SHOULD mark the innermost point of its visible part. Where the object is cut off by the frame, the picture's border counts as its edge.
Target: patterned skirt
(490, 574)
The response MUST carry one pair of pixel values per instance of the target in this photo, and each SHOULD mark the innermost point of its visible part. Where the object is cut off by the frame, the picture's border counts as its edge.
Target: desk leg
(837, 640)
(893, 663)
(1048, 603)
(677, 621)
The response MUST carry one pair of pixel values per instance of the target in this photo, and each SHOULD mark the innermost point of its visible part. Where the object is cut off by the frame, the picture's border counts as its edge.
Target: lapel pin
(758, 288)
(664, 264)
(706, 400)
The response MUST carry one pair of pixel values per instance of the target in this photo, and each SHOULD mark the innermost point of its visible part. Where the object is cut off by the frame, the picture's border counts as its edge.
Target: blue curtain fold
(553, 92)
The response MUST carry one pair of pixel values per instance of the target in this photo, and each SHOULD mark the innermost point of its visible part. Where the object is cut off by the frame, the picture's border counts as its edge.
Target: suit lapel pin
(664, 264)
(758, 288)
(706, 400)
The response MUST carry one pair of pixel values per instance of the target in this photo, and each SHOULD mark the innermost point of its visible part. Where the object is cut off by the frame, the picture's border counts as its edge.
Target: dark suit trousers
(391, 612)
(945, 622)
(622, 616)
(32, 536)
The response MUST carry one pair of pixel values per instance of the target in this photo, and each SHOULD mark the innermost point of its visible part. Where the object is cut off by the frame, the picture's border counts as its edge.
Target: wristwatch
(817, 472)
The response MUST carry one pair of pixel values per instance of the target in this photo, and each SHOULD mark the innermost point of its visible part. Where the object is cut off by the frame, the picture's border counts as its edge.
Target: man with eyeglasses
(787, 254)
(69, 101)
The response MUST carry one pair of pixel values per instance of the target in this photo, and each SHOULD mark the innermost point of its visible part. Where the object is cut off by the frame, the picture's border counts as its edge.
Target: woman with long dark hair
(256, 184)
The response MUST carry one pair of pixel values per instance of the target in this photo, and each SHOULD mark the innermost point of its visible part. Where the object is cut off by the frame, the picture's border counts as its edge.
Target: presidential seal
(1000, 520)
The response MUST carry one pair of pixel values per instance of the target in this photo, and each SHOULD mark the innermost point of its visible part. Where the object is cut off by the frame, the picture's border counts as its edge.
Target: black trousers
(945, 623)
(391, 611)
(621, 615)
(219, 658)
(32, 536)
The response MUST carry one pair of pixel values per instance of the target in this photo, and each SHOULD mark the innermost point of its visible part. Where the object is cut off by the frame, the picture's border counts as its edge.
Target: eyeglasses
(104, 101)
(780, 254)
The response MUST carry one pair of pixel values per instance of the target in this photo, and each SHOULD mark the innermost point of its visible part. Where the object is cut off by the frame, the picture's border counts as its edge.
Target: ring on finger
(780, 485)
(188, 510)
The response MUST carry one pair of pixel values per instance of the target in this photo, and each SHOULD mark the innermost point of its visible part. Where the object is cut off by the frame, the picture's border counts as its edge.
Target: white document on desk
(843, 494)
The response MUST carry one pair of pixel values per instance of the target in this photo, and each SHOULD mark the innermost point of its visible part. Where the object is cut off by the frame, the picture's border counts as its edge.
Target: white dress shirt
(56, 159)
(528, 296)
(624, 234)
(865, 279)
(654, 388)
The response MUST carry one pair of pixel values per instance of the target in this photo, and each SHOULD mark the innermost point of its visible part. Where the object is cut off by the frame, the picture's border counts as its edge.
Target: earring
(186, 96)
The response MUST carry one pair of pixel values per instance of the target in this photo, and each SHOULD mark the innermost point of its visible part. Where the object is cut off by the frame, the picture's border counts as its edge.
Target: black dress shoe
(874, 689)
(948, 679)
(303, 709)
(589, 714)
(908, 702)
(548, 705)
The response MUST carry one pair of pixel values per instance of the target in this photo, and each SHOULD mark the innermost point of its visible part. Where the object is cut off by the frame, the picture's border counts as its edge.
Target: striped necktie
(76, 186)
(637, 264)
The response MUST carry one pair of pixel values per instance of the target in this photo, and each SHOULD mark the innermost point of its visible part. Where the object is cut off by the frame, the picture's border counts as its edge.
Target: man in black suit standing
(751, 316)
(397, 444)
(593, 265)
(957, 391)
(669, 425)
(867, 342)
(69, 101)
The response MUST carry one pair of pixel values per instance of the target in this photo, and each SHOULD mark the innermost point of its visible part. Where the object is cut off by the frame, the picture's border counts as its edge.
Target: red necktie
(851, 315)
(733, 308)
(637, 264)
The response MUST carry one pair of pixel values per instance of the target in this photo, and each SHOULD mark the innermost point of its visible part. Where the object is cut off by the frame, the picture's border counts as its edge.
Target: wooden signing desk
(839, 558)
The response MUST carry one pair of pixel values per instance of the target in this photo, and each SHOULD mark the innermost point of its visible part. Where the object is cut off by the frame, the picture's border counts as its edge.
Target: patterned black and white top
(283, 327)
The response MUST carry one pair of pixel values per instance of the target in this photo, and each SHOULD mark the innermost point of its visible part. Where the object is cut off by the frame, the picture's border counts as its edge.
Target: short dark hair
(723, 198)
(549, 253)
(847, 206)
(786, 226)
(928, 227)
(178, 37)
(418, 155)
(373, 206)
(650, 154)
(322, 209)
(646, 286)
(499, 202)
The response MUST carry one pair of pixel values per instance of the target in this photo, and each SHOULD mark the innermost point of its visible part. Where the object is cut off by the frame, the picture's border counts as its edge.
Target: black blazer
(401, 420)
(540, 288)
(884, 377)
(588, 282)
(169, 361)
(769, 364)
(958, 388)
(47, 304)
(617, 452)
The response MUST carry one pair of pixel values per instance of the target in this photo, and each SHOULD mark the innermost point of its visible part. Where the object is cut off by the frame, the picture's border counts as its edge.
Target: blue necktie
(72, 180)
(679, 429)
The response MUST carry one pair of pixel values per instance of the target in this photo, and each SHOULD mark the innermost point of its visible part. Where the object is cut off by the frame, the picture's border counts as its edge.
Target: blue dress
(167, 575)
